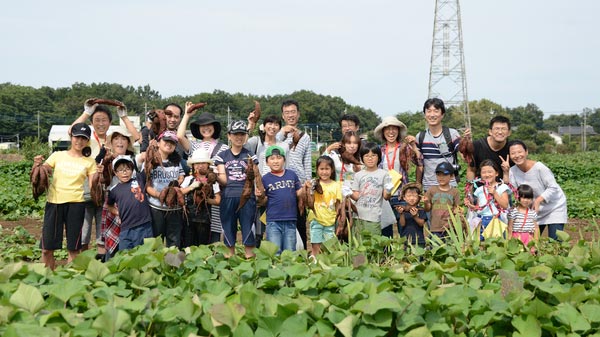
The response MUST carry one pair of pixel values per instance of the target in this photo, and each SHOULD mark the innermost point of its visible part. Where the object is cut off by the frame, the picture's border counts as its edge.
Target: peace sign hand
(505, 163)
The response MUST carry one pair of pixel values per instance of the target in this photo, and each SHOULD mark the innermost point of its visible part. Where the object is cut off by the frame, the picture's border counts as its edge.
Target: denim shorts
(320, 233)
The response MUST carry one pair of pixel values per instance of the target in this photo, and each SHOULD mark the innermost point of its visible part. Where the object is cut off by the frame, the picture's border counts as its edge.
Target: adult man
(173, 113)
(437, 143)
(349, 122)
(299, 157)
(493, 147)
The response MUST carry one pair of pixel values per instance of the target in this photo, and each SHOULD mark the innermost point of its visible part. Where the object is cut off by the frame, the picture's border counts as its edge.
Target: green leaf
(297, 271)
(294, 325)
(28, 330)
(591, 312)
(112, 320)
(96, 271)
(228, 314)
(269, 248)
(66, 289)
(346, 325)
(569, 316)
(28, 298)
(540, 272)
(527, 326)
(421, 331)
(243, 329)
(174, 260)
(384, 300)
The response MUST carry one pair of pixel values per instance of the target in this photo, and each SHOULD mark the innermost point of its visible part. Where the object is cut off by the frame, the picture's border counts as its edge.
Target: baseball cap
(168, 135)
(445, 168)
(81, 129)
(238, 127)
(274, 150)
(120, 159)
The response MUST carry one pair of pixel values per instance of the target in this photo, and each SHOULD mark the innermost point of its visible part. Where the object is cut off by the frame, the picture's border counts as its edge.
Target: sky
(375, 54)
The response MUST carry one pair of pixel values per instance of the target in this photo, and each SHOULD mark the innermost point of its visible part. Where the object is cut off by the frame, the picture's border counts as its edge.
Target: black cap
(445, 168)
(82, 130)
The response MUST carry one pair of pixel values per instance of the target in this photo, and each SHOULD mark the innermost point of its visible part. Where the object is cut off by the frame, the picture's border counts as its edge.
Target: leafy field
(374, 287)
(470, 289)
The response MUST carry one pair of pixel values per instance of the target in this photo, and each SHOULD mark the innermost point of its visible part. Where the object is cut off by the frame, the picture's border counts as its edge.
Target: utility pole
(584, 130)
(447, 74)
(38, 120)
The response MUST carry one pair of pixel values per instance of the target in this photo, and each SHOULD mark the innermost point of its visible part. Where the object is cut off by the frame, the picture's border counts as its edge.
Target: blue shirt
(132, 202)
(281, 193)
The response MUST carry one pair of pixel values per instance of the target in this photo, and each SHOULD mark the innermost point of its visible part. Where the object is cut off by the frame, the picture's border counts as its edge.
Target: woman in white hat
(198, 230)
(396, 150)
(119, 142)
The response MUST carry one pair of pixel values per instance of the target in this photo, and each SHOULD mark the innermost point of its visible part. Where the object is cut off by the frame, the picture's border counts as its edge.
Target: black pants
(301, 226)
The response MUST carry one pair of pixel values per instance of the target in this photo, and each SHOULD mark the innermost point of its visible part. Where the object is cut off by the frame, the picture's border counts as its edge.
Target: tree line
(20, 107)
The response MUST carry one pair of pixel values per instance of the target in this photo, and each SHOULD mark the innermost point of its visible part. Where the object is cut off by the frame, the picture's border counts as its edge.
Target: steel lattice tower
(447, 74)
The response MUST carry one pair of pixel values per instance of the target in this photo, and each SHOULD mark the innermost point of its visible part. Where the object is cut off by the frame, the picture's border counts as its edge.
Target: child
(282, 189)
(412, 217)
(522, 220)
(65, 206)
(324, 205)
(370, 187)
(166, 221)
(134, 210)
(440, 199)
(491, 197)
(232, 166)
(199, 201)
(347, 161)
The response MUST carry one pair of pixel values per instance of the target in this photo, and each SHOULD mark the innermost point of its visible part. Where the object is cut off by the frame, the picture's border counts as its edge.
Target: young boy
(232, 166)
(282, 189)
(412, 217)
(134, 210)
(438, 198)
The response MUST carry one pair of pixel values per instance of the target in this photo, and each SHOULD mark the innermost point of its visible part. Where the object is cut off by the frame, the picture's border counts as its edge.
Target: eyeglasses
(500, 129)
(124, 170)
(290, 112)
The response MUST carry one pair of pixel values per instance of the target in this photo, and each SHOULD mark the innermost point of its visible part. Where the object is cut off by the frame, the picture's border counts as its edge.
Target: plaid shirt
(111, 228)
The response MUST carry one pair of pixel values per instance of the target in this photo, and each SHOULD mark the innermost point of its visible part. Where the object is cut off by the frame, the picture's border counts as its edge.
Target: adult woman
(259, 144)
(396, 151)
(207, 130)
(550, 201)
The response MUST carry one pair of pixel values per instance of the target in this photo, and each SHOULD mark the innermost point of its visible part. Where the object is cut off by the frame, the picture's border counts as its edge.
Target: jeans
(552, 228)
(167, 224)
(283, 234)
(132, 237)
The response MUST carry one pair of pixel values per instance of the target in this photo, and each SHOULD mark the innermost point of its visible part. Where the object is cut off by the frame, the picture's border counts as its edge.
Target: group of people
(265, 183)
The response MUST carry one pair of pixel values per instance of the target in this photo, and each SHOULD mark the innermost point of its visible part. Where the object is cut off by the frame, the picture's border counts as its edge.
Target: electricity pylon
(447, 74)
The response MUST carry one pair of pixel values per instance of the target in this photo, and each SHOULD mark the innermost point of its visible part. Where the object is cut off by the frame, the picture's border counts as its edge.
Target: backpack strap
(420, 137)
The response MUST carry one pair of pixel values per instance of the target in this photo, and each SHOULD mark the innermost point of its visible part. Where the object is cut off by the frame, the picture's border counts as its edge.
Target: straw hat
(200, 156)
(123, 132)
(390, 121)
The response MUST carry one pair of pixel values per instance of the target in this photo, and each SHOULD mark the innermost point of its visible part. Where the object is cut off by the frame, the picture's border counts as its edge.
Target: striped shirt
(298, 159)
(435, 151)
(520, 224)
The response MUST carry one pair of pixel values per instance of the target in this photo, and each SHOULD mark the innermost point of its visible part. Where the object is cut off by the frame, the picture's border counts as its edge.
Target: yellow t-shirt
(325, 203)
(68, 177)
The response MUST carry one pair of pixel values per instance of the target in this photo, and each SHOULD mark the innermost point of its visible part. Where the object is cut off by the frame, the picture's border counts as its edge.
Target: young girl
(166, 222)
(65, 206)
(199, 202)
(207, 132)
(369, 189)
(345, 155)
(491, 197)
(232, 166)
(522, 220)
(324, 201)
